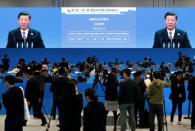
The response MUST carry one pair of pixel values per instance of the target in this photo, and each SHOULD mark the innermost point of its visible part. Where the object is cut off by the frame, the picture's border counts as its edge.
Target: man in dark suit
(191, 90)
(64, 95)
(171, 37)
(64, 64)
(126, 100)
(5, 65)
(140, 99)
(24, 37)
(13, 100)
(33, 96)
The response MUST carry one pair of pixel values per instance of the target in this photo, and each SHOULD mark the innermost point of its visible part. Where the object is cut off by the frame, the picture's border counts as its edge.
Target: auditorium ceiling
(97, 3)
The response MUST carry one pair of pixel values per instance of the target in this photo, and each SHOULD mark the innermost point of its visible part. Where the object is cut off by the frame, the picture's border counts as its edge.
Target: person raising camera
(156, 97)
(178, 95)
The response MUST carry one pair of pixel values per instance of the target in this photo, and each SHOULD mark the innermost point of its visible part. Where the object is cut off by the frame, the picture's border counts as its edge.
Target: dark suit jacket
(94, 117)
(5, 63)
(32, 91)
(176, 91)
(140, 89)
(180, 37)
(127, 92)
(64, 64)
(76, 111)
(33, 36)
(13, 101)
(60, 89)
(191, 89)
(111, 90)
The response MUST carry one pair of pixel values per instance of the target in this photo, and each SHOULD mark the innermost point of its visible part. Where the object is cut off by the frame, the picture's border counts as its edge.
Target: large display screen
(45, 20)
(150, 20)
(98, 27)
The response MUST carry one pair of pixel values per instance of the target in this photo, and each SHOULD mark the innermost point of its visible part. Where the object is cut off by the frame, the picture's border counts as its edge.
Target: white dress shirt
(172, 33)
(26, 32)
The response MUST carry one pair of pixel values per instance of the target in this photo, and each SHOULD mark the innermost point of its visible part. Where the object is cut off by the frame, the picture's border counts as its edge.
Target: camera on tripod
(91, 63)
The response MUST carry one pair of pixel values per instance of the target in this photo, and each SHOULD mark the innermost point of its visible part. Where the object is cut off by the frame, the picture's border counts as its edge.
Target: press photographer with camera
(140, 99)
(90, 64)
(178, 95)
(33, 95)
(126, 100)
(191, 90)
(111, 95)
(155, 93)
(64, 95)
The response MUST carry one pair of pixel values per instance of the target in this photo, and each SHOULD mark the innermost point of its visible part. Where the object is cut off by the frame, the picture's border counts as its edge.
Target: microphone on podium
(165, 43)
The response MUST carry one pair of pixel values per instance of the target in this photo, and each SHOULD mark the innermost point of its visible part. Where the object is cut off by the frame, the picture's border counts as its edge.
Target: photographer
(156, 97)
(111, 95)
(63, 64)
(33, 95)
(41, 78)
(89, 65)
(5, 65)
(146, 63)
(126, 100)
(140, 99)
(77, 107)
(178, 95)
(22, 65)
(191, 90)
(149, 79)
(64, 94)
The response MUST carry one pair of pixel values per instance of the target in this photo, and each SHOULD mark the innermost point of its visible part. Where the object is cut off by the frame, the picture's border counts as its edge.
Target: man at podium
(24, 37)
(171, 37)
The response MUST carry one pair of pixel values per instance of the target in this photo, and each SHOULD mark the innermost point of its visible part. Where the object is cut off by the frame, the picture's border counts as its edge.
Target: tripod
(48, 124)
(189, 106)
(164, 117)
(49, 118)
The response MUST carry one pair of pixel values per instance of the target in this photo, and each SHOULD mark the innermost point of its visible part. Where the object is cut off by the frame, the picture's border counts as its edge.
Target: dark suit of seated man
(24, 37)
(171, 37)
(13, 100)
